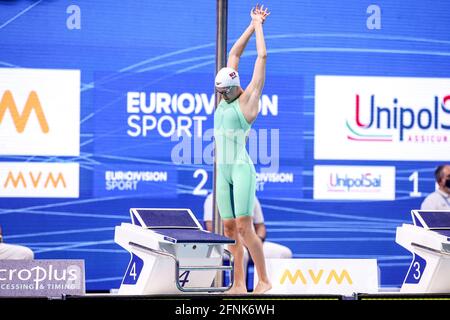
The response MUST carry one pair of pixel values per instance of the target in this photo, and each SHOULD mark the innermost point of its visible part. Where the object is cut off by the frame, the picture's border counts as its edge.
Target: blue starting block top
(445, 233)
(175, 225)
(192, 236)
(164, 218)
(432, 220)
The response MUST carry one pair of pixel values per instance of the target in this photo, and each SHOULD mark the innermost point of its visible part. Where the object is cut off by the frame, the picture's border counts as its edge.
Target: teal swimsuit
(236, 175)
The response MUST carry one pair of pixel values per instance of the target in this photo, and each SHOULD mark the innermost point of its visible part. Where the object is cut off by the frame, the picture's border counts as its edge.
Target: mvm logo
(39, 180)
(35, 180)
(20, 120)
(316, 277)
(39, 112)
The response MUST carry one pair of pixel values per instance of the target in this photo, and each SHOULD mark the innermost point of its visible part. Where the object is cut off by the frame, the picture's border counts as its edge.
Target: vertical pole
(221, 60)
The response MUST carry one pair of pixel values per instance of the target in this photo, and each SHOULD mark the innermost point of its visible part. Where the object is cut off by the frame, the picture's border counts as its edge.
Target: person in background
(439, 199)
(13, 251)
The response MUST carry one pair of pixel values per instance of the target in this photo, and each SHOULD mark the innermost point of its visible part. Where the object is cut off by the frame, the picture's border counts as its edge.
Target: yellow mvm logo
(315, 277)
(20, 120)
(34, 180)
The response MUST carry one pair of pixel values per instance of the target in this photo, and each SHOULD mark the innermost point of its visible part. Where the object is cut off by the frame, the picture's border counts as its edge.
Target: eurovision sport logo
(382, 118)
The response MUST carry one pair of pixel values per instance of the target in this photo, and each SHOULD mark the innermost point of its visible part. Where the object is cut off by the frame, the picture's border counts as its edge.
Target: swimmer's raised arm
(250, 98)
(239, 46)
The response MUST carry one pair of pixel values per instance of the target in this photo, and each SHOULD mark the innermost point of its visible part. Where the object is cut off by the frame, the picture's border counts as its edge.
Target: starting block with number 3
(429, 241)
(171, 253)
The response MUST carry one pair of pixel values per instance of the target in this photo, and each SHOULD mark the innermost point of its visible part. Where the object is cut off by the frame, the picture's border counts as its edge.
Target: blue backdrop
(128, 50)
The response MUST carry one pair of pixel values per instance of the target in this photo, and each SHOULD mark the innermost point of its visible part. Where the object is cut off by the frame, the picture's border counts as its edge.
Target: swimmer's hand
(258, 14)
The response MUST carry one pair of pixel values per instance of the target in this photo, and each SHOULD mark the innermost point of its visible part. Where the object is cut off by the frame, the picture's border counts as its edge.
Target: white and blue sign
(134, 270)
(416, 270)
(150, 180)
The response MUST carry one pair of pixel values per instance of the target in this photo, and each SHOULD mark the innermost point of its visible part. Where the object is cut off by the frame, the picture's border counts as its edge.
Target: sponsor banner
(322, 276)
(161, 117)
(45, 278)
(354, 183)
(149, 180)
(39, 180)
(284, 182)
(39, 112)
(382, 118)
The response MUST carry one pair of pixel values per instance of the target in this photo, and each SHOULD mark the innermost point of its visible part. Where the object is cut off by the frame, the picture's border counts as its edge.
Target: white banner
(39, 180)
(354, 183)
(322, 276)
(382, 118)
(39, 112)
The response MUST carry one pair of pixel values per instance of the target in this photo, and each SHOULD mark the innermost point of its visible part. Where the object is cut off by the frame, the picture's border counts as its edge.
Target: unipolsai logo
(372, 121)
(346, 183)
(382, 118)
(354, 182)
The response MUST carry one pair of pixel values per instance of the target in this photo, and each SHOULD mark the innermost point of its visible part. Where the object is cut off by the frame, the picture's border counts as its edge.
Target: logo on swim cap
(227, 77)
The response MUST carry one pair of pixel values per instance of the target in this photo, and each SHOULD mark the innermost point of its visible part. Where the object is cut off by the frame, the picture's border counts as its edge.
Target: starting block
(429, 241)
(171, 253)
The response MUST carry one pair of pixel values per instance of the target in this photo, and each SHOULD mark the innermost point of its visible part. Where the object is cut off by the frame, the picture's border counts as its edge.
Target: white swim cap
(227, 77)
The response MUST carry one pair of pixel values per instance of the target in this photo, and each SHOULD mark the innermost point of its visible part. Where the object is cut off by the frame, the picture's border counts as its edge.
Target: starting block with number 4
(171, 253)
